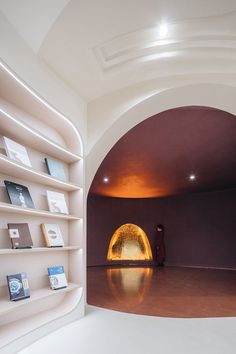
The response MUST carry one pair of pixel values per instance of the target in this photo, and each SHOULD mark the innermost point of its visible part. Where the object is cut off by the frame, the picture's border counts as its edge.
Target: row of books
(18, 284)
(21, 238)
(18, 152)
(20, 195)
(19, 233)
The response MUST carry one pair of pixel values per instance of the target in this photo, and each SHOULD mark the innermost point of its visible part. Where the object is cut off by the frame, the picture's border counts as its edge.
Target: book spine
(44, 232)
(8, 285)
(47, 165)
(12, 242)
(8, 193)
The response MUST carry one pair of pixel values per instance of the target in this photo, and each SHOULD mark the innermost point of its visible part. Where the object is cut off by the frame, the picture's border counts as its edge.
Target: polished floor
(167, 292)
(110, 332)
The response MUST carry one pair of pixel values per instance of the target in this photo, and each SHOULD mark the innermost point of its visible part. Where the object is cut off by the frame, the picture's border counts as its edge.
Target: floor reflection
(129, 285)
(167, 291)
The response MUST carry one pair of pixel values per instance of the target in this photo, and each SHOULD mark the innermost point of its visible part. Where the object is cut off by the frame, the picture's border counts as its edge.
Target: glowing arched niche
(129, 242)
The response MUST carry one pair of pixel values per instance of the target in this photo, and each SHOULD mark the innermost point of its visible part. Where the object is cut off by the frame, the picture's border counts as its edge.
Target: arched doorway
(182, 96)
(148, 183)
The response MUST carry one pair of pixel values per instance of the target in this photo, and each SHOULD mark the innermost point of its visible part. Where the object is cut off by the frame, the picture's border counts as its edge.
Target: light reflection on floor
(168, 291)
(129, 285)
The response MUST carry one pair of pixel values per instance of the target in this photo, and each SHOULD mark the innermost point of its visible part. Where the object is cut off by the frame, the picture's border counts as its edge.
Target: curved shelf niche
(15, 91)
(23, 118)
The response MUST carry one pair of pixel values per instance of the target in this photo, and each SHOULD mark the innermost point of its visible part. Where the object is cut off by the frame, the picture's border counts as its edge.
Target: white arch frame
(210, 95)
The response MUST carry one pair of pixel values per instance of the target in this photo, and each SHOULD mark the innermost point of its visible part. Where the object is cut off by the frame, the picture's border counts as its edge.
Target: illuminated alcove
(129, 242)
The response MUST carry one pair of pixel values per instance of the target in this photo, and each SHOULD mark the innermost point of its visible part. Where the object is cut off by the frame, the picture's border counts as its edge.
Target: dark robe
(161, 251)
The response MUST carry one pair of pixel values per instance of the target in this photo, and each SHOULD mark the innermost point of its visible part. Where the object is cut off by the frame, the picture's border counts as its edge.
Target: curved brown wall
(199, 228)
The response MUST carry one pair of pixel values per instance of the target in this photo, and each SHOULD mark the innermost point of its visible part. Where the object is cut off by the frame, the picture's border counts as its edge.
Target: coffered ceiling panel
(101, 46)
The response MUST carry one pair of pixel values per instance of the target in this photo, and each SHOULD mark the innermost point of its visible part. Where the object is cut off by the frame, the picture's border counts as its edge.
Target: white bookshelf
(40, 320)
(18, 130)
(15, 169)
(35, 295)
(10, 251)
(29, 120)
(9, 208)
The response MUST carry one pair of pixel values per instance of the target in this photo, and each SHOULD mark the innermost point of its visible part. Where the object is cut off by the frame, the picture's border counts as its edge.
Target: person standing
(161, 250)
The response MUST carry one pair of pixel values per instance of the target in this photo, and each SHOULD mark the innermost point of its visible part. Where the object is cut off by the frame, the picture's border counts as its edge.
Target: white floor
(109, 332)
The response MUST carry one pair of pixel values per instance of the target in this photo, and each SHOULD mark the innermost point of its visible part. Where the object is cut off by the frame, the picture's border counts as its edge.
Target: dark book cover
(19, 195)
(20, 235)
(55, 169)
(18, 286)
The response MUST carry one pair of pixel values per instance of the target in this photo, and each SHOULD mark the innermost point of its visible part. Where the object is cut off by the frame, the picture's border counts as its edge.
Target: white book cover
(57, 277)
(16, 151)
(52, 234)
(57, 202)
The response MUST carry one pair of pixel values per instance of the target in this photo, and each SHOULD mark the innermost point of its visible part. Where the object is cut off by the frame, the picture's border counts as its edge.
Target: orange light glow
(129, 286)
(129, 242)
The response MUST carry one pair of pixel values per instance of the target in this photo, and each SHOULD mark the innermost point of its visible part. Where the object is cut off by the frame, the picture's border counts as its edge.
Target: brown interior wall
(199, 228)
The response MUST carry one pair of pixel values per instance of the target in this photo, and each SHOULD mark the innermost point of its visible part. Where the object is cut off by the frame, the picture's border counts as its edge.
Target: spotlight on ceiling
(105, 179)
(192, 177)
(163, 30)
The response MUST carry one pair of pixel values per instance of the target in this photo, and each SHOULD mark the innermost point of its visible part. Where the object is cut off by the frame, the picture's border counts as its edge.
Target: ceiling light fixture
(163, 30)
(192, 177)
(105, 179)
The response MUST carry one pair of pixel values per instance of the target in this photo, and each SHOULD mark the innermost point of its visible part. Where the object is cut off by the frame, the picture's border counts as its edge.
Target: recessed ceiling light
(105, 179)
(192, 177)
(163, 30)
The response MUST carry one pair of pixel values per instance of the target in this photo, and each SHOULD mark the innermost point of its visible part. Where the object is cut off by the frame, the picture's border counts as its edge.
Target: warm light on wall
(129, 242)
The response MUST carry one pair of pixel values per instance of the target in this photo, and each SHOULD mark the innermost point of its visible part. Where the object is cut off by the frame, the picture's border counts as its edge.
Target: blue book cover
(55, 169)
(18, 286)
(57, 277)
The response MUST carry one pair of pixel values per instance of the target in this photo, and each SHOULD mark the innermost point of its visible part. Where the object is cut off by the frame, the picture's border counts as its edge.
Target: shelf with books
(15, 169)
(18, 130)
(39, 147)
(35, 295)
(10, 251)
(9, 208)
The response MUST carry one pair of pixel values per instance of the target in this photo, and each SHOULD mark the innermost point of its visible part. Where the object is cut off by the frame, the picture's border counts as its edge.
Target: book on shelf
(52, 235)
(55, 169)
(57, 202)
(19, 195)
(20, 235)
(57, 277)
(18, 286)
(16, 151)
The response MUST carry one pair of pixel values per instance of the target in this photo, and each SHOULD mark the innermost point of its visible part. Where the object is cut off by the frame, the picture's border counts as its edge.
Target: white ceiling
(100, 46)
(32, 19)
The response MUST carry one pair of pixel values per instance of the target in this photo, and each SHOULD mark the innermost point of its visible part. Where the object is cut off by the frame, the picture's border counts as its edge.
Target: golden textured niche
(129, 242)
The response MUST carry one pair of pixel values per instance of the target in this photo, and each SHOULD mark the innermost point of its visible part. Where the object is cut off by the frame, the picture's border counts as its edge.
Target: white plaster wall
(22, 60)
(110, 117)
(104, 111)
